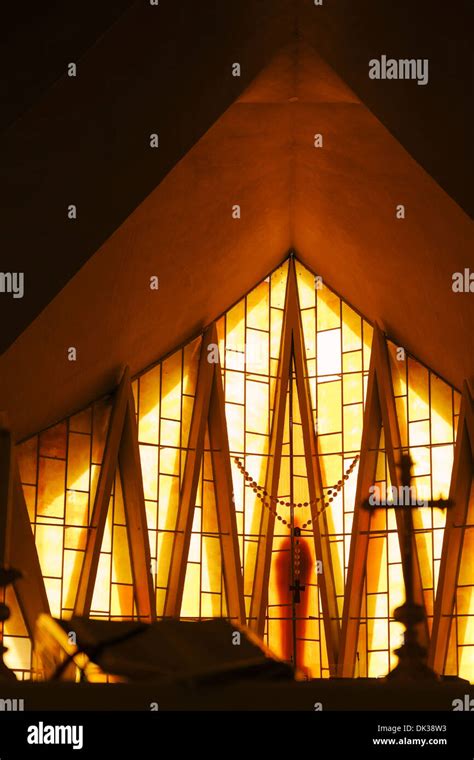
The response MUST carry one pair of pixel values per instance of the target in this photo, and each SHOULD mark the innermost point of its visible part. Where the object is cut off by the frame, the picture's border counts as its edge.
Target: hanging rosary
(263, 495)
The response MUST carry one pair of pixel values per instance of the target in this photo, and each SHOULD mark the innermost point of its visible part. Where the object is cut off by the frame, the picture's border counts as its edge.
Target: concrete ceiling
(334, 205)
(85, 140)
(166, 68)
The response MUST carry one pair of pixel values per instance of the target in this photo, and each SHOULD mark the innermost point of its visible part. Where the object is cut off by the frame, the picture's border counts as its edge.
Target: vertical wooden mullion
(259, 600)
(17, 543)
(326, 582)
(190, 481)
(29, 589)
(95, 534)
(393, 451)
(226, 517)
(359, 545)
(457, 516)
(135, 514)
(380, 409)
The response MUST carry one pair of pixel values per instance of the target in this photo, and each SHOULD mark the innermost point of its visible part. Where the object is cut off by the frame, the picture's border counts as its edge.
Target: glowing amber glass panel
(426, 407)
(60, 469)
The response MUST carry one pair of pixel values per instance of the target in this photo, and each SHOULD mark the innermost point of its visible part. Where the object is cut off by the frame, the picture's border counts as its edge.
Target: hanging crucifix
(296, 587)
(411, 655)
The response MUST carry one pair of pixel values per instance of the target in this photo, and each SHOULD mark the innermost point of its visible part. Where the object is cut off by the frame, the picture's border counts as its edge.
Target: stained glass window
(60, 469)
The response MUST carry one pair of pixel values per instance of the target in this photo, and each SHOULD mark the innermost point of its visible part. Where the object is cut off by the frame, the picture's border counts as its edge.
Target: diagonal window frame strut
(208, 410)
(379, 410)
(454, 531)
(292, 349)
(122, 452)
(17, 543)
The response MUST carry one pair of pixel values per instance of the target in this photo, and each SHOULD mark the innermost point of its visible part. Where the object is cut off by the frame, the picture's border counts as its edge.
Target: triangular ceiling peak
(298, 74)
(336, 205)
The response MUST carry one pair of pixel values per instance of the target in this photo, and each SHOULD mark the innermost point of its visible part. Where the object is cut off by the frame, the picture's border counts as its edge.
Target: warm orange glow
(60, 469)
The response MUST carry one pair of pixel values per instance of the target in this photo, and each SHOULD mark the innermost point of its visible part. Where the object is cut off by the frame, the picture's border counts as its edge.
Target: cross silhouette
(296, 587)
(411, 655)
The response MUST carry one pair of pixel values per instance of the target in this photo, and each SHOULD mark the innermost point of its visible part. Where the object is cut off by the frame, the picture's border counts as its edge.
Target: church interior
(244, 328)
